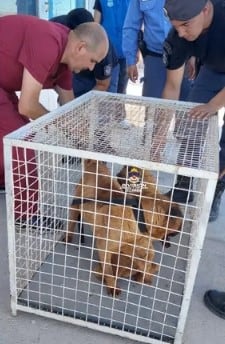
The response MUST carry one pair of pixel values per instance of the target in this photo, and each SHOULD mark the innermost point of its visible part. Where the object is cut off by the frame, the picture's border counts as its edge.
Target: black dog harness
(138, 211)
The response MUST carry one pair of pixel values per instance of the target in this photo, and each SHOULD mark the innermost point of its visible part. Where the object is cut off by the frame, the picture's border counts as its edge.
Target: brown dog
(162, 217)
(122, 249)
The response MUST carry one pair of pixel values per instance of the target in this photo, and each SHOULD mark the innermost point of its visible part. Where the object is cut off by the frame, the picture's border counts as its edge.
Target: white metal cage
(45, 164)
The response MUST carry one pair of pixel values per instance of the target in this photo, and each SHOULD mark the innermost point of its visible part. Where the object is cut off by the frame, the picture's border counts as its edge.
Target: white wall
(8, 6)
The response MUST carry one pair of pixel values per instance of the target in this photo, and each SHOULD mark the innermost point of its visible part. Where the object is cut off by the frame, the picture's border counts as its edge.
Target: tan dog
(162, 217)
(122, 249)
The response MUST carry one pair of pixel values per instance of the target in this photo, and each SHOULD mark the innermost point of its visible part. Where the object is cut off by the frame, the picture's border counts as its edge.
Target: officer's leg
(212, 84)
(114, 79)
(123, 77)
(154, 77)
(119, 113)
(154, 80)
(220, 187)
(206, 86)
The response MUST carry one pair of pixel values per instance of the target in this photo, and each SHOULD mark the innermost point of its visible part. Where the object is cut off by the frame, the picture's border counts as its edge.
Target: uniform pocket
(146, 5)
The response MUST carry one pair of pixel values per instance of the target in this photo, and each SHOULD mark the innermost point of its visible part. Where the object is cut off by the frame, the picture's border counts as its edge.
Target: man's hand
(132, 72)
(211, 108)
(203, 111)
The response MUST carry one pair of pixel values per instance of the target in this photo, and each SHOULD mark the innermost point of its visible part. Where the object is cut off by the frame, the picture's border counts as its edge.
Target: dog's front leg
(105, 258)
(74, 216)
(145, 264)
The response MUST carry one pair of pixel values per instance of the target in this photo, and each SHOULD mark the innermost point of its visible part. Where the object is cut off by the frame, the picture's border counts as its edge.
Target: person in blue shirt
(149, 16)
(111, 15)
(86, 80)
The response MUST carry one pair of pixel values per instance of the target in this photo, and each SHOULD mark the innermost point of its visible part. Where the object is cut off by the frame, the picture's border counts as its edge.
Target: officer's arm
(173, 83)
(102, 85)
(97, 16)
(64, 95)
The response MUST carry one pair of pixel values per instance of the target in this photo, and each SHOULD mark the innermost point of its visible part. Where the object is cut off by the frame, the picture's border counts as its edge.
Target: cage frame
(192, 268)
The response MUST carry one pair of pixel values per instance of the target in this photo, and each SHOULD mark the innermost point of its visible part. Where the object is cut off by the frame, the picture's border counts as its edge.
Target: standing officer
(111, 15)
(198, 30)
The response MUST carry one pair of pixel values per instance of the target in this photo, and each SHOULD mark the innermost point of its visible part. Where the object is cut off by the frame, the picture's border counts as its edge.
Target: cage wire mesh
(90, 245)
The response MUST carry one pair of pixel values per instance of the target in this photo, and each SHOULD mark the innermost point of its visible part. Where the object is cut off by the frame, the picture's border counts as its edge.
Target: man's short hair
(78, 16)
(183, 9)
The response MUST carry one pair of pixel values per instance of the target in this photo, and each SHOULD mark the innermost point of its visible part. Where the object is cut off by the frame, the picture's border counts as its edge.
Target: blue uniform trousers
(154, 81)
(119, 78)
(155, 78)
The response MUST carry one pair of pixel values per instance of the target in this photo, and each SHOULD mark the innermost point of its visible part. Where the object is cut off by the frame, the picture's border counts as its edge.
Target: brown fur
(163, 218)
(122, 249)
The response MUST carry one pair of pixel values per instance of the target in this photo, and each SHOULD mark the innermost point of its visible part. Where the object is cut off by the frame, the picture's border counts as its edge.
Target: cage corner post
(10, 223)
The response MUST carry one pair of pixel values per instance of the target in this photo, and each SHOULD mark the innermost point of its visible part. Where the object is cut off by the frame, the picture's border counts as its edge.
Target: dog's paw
(114, 292)
(98, 272)
(67, 238)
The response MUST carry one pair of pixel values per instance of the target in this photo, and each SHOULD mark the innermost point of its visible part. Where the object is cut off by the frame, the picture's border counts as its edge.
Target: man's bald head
(93, 34)
(87, 45)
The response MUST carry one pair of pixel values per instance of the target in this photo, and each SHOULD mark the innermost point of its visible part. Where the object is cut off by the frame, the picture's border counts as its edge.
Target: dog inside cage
(125, 224)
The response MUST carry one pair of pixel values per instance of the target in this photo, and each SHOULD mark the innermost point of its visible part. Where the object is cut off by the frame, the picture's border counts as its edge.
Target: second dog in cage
(123, 249)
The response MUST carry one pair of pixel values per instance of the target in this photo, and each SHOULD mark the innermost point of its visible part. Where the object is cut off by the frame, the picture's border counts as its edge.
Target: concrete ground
(201, 326)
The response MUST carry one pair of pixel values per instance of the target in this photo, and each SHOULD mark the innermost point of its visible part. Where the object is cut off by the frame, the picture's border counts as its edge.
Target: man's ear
(82, 47)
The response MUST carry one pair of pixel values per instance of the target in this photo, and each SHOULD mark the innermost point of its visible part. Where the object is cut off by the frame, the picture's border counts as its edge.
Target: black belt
(138, 213)
(152, 53)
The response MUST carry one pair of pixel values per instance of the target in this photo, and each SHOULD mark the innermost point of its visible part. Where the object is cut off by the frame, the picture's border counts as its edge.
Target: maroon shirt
(35, 44)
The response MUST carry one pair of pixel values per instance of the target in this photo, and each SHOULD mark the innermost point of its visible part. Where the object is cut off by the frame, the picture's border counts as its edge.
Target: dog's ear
(88, 162)
(122, 173)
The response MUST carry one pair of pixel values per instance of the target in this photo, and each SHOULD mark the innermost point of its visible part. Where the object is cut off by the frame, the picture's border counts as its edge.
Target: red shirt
(35, 44)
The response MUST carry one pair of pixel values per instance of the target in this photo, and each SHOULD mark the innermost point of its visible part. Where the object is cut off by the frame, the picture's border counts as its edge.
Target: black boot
(220, 187)
(182, 191)
(215, 302)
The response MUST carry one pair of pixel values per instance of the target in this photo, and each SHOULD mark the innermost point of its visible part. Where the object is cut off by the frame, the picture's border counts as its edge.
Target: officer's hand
(203, 111)
(132, 72)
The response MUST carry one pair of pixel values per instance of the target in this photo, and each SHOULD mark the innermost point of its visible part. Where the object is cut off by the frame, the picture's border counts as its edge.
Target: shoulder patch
(108, 70)
(167, 51)
(167, 47)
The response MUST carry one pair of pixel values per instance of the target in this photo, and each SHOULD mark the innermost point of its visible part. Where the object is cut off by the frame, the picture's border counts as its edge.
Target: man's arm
(173, 83)
(29, 104)
(102, 85)
(131, 29)
(97, 11)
